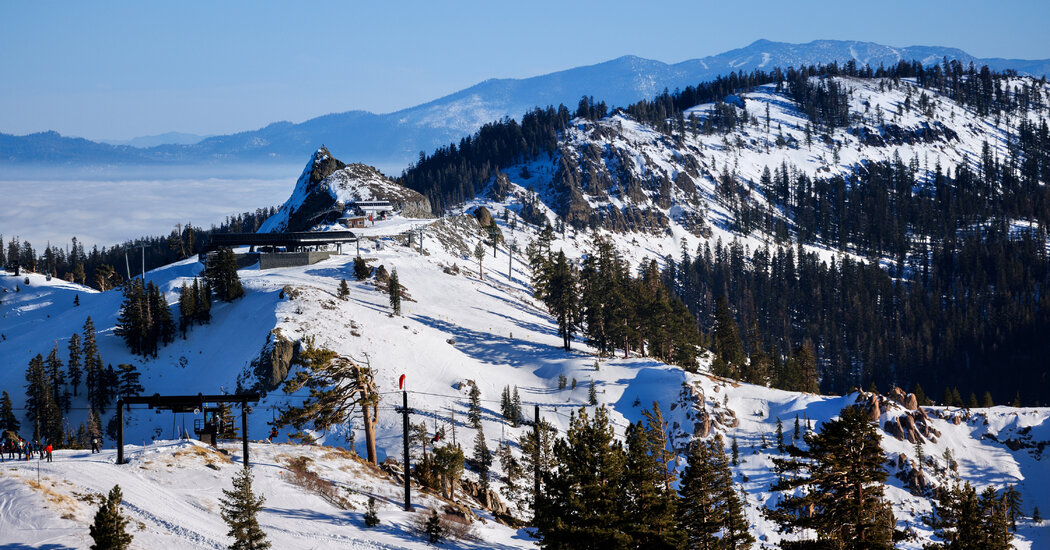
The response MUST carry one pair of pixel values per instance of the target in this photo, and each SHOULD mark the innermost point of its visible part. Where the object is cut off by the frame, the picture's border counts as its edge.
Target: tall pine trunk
(370, 435)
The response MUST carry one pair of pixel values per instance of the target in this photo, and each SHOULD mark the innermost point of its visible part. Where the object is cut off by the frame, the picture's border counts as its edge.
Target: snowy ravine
(456, 327)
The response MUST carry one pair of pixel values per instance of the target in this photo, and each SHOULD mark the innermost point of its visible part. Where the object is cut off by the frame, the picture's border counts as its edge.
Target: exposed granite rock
(271, 367)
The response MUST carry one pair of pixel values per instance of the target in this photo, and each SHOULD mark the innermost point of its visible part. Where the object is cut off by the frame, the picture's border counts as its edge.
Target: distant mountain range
(167, 138)
(391, 141)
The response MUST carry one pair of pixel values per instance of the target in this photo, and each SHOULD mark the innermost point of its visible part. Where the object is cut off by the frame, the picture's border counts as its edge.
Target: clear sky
(116, 70)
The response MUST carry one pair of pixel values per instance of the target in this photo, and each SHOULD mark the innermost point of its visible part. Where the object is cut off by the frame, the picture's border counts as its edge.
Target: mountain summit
(327, 186)
(393, 140)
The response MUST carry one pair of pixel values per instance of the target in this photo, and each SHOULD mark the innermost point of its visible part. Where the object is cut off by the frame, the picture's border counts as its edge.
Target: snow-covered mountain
(628, 177)
(392, 140)
(456, 327)
(327, 187)
(649, 191)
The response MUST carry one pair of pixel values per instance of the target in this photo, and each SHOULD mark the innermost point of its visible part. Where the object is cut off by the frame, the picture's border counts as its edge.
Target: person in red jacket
(48, 451)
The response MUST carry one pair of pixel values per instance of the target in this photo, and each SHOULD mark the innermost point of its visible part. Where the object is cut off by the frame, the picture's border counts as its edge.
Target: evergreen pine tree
(592, 394)
(134, 320)
(395, 292)
(433, 528)
(842, 475)
(1013, 501)
(1036, 516)
(203, 295)
(93, 368)
(38, 395)
(109, 530)
(56, 378)
(735, 449)
(562, 299)
(515, 406)
(8, 420)
(987, 401)
(482, 459)
(726, 340)
(474, 410)
(735, 529)
(128, 377)
(582, 505)
(479, 254)
(371, 517)
(73, 366)
(962, 519)
(344, 290)
(780, 436)
(512, 472)
(505, 406)
(221, 276)
(187, 307)
(699, 517)
(109, 384)
(361, 269)
(240, 509)
(649, 515)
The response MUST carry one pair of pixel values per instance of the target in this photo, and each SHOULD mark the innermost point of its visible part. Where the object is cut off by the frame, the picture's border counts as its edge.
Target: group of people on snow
(26, 449)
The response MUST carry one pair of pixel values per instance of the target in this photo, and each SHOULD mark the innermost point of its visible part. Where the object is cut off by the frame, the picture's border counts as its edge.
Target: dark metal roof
(294, 240)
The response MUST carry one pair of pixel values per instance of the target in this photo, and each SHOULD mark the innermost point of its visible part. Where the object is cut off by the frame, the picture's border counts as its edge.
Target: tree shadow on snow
(331, 273)
(305, 514)
(494, 349)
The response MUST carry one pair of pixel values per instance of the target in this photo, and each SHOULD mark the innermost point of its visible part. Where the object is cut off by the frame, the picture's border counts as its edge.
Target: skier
(48, 449)
(94, 445)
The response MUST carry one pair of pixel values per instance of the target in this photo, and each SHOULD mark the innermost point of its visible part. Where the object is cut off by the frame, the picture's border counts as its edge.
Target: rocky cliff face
(327, 185)
(692, 176)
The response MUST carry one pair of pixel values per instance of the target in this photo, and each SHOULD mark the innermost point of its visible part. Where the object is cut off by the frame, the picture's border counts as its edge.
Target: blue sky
(116, 70)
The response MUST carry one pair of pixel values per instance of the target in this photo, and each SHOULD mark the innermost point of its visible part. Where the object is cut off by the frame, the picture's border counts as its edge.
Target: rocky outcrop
(870, 403)
(483, 216)
(906, 400)
(271, 367)
(913, 477)
(892, 134)
(913, 426)
(487, 499)
(500, 189)
(327, 186)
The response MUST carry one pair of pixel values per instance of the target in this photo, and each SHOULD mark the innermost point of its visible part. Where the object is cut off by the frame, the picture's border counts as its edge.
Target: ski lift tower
(184, 404)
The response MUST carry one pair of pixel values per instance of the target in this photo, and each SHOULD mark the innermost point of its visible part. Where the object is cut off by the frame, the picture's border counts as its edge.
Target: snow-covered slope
(648, 191)
(455, 327)
(171, 496)
(658, 190)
